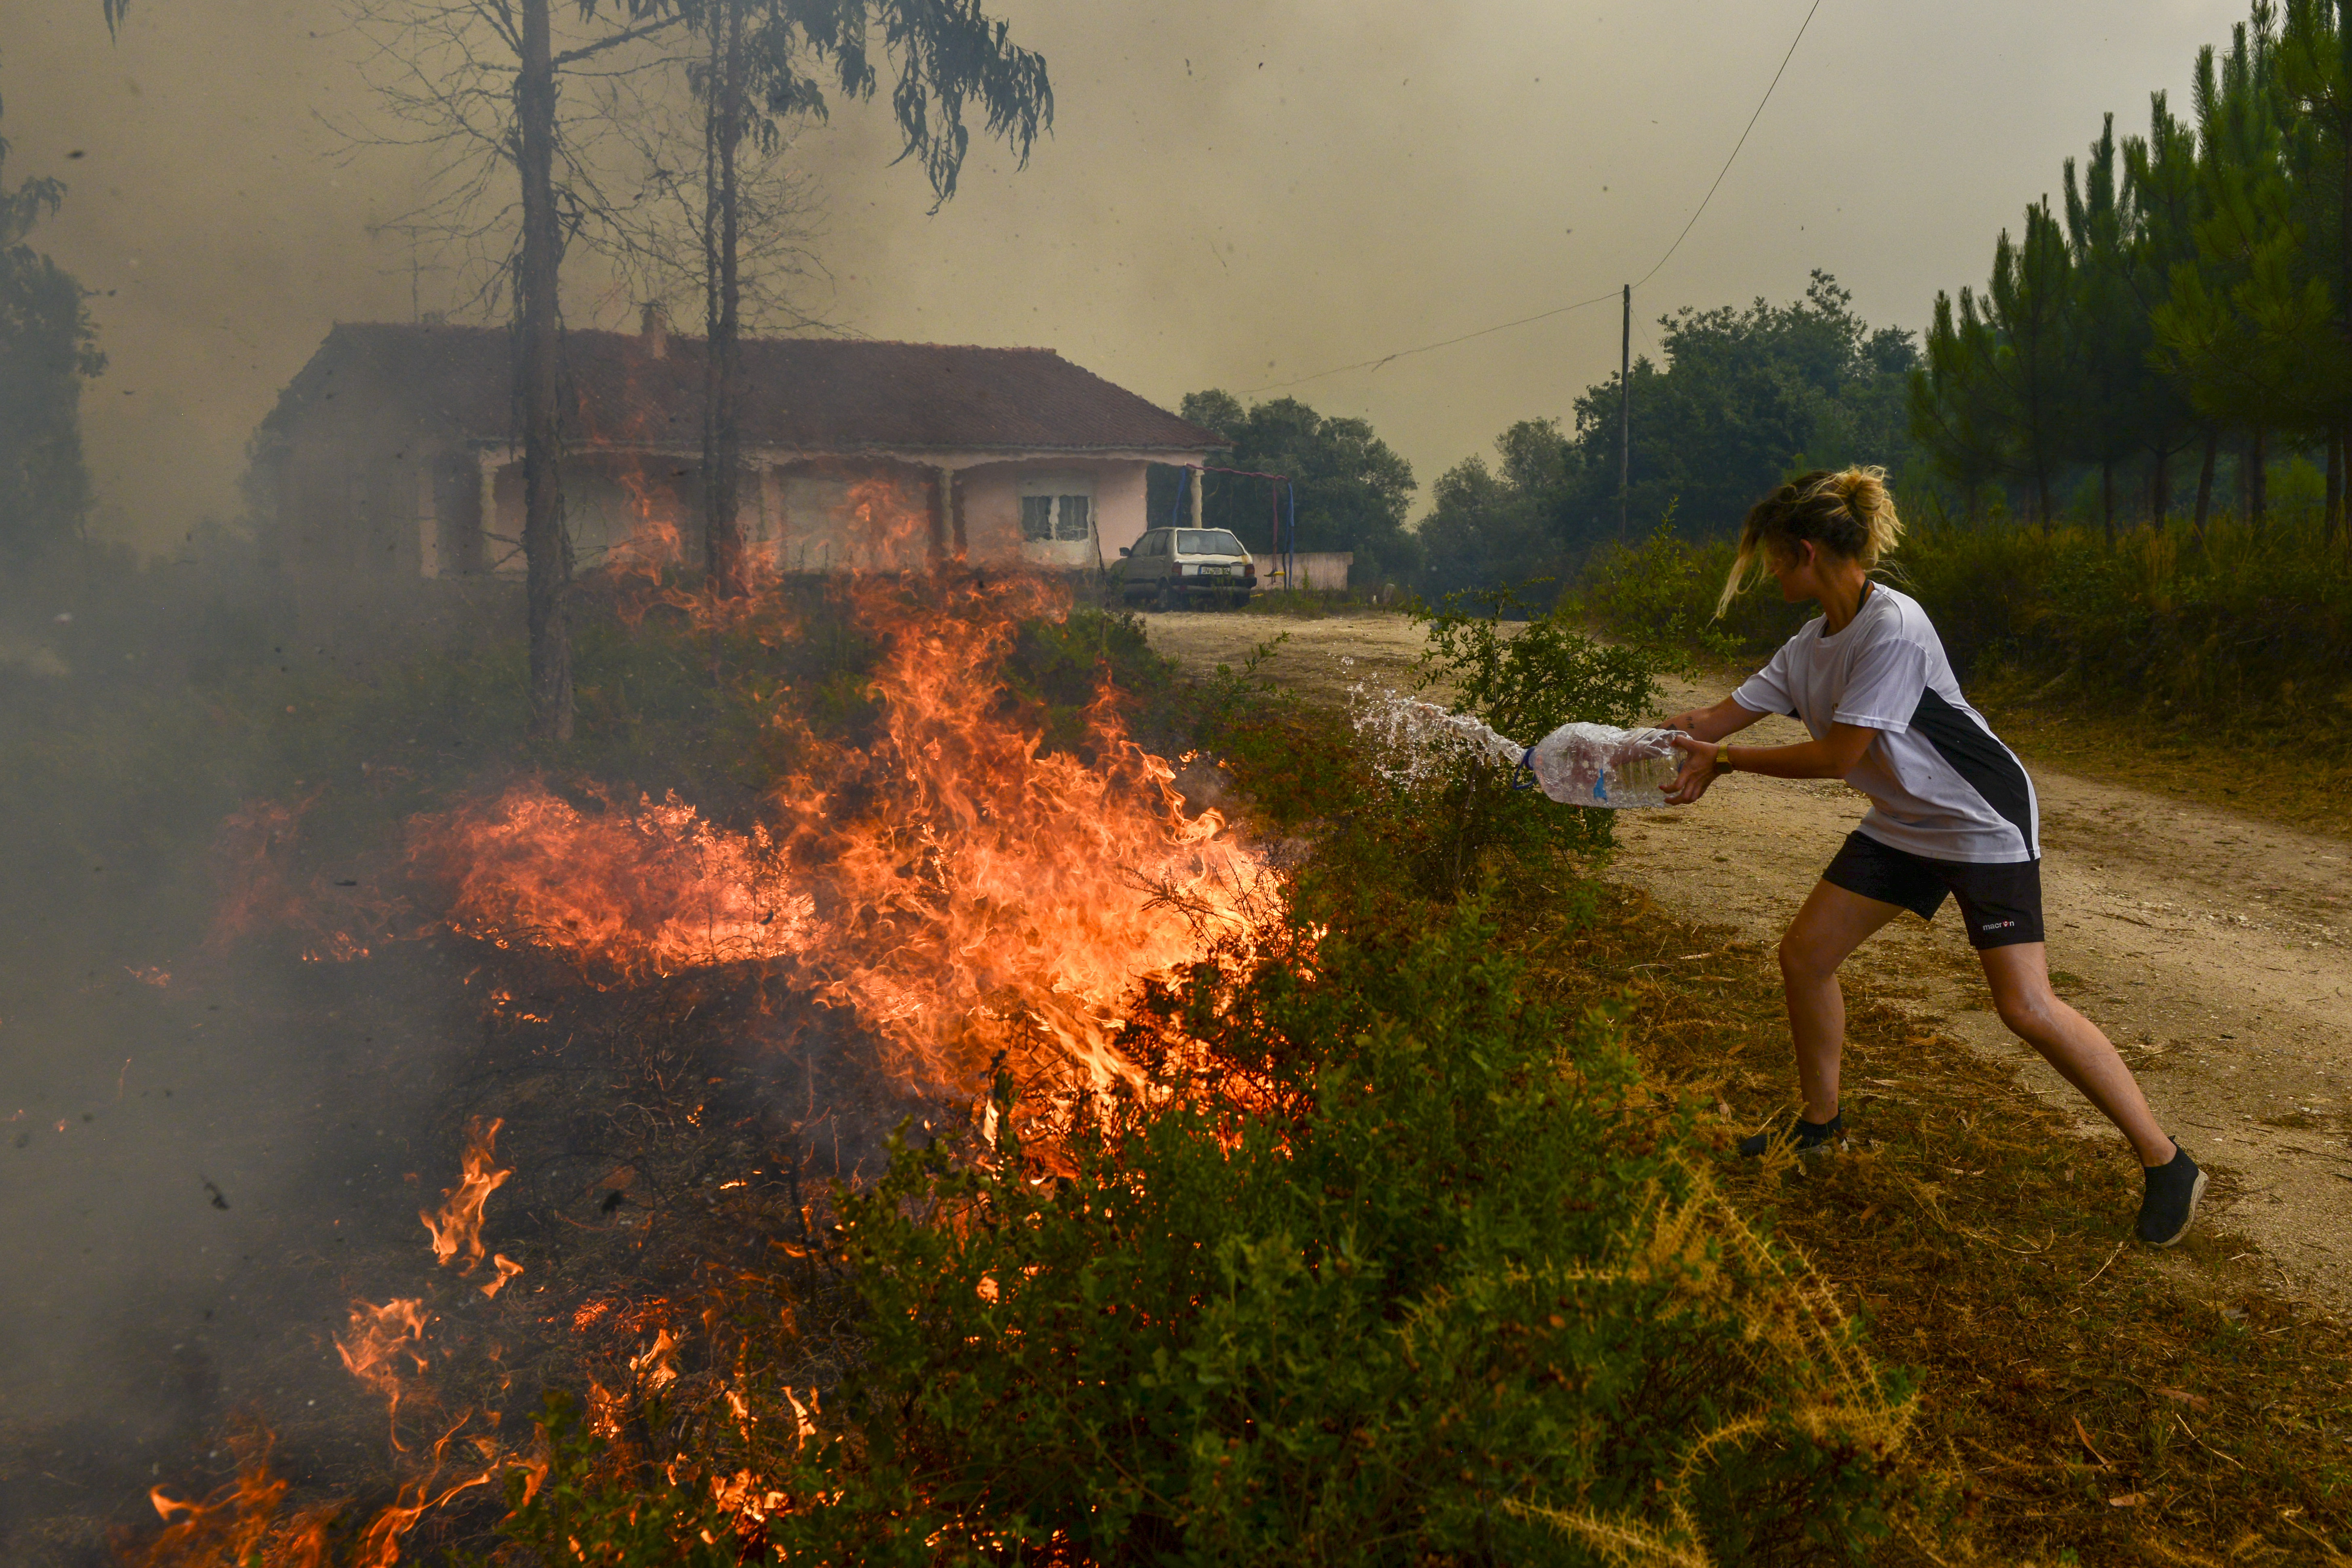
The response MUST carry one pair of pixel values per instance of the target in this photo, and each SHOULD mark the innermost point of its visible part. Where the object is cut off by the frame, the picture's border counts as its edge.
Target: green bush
(1524, 678)
(1392, 1263)
(1661, 594)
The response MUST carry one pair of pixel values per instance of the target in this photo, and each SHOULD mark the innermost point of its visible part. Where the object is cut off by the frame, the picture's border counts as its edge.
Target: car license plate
(1216, 571)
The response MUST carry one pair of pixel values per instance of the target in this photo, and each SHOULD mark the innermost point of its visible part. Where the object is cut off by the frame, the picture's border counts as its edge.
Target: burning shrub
(1449, 1291)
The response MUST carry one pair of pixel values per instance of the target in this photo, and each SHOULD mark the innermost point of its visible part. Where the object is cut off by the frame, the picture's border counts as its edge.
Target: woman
(1952, 812)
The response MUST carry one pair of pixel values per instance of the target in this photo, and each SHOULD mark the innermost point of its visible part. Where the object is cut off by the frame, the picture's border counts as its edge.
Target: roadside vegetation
(1425, 1242)
(1390, 1254)
(1418, 1240)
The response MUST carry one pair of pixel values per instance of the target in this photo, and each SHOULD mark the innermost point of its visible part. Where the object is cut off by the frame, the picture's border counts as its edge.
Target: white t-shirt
(1940, 784)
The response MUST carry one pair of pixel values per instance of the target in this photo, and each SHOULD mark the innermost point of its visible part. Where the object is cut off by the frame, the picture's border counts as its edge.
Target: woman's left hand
(1697, 772)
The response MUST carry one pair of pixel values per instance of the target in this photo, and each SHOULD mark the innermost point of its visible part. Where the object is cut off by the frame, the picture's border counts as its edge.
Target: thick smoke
(1234, 195)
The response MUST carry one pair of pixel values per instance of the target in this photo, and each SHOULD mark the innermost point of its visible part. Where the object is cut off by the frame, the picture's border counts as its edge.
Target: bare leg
(1833, 923)
(2019, 977)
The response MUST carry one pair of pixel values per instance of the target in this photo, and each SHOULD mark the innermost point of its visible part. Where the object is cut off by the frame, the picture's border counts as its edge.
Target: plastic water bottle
(1597, 764)
(1575, 765)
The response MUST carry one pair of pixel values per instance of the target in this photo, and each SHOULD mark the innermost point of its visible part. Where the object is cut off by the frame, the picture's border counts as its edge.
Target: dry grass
(2082, 1398)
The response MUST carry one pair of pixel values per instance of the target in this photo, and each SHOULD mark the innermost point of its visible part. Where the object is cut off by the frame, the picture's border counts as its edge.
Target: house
(393, 469)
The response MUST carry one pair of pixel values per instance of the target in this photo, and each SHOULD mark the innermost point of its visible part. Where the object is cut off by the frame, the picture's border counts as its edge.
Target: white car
(1175, 567)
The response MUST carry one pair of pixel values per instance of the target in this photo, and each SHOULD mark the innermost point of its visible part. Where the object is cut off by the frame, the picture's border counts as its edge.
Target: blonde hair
(1848, 512)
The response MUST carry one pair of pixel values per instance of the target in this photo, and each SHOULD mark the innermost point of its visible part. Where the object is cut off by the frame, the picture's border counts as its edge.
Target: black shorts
(2002, 903)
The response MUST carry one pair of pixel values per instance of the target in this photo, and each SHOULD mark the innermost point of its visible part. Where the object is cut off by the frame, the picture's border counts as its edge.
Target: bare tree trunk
(2160, 479)
(722, 434)
(2205, 484)
(547, 550)
(2107, 500)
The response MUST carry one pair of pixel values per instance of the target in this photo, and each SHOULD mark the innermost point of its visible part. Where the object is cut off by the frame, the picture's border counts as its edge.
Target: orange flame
(457, 1228)
(379, 1543)
(379, 1339)
(240, 1524)
(656, 1367)
(508, 1268)
(647, 893)
(961, 889)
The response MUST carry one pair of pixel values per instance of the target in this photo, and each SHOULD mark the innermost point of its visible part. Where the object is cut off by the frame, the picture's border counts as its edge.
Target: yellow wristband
(1722, 760)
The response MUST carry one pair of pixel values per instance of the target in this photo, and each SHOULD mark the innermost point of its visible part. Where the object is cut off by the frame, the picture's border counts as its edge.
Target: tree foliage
(1353, 487)
(2199, 292)
(48, 348)
(1742, 398)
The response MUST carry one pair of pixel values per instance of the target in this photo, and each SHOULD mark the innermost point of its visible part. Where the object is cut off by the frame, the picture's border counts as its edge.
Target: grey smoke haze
(1235, 194)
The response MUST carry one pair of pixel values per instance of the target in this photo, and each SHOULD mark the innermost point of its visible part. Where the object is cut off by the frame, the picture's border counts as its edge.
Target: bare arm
(1725, 718)
(1832, 757)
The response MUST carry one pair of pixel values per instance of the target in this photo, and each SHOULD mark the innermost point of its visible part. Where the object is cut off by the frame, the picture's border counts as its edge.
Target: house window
(1070, 521)
(1037, 518)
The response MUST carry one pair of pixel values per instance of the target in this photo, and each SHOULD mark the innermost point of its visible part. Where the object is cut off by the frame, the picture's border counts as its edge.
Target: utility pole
(1624, 413)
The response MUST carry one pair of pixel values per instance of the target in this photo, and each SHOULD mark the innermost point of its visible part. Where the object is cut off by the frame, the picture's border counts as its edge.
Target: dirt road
(2211, 947)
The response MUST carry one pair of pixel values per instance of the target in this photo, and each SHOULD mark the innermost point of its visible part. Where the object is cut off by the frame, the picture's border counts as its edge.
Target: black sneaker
(2173, 1189)
(1806, 1135)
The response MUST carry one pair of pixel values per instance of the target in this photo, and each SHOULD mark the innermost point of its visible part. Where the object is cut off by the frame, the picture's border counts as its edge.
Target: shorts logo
(1996, 925)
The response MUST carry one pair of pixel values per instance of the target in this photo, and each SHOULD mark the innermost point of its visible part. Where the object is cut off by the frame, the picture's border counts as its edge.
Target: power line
(1597, 299)
(1425, 348)
(1752, 119)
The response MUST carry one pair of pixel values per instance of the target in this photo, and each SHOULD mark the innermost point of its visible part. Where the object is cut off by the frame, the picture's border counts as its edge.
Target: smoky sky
(1235, 194)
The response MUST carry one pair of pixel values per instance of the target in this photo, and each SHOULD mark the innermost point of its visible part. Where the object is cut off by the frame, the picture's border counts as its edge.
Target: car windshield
(1207, 541)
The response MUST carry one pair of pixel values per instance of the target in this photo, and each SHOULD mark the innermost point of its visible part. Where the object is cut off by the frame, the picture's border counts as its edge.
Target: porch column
(943, 482)
(428, 522)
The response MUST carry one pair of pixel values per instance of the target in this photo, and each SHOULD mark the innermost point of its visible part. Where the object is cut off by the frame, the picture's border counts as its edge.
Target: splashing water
(1575, 765)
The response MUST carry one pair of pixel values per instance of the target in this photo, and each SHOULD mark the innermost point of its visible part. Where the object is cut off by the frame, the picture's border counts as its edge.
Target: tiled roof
(811, 394)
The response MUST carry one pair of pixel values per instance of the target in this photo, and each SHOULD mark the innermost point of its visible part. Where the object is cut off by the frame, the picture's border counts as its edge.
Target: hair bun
(1849, 512)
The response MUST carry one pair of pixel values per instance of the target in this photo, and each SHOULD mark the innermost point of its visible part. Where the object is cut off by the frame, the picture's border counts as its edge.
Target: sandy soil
(2210, 946)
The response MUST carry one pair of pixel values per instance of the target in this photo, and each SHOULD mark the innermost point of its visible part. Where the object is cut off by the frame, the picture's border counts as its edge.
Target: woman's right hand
(1697, 771)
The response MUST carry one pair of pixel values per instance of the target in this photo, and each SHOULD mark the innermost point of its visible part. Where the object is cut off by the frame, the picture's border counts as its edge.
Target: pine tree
(2246, 330)
(1956, 403)
(2110, 325)
(2034, 370)
(2165, 200)
(2315, 73)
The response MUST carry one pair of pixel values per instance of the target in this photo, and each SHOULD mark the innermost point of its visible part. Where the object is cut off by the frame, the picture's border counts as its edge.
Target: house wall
(991, 495)
(377, 537)
(390, 538)
(875, 515)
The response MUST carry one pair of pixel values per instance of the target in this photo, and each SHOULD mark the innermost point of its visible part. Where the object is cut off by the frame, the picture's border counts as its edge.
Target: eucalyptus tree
(760, 68)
